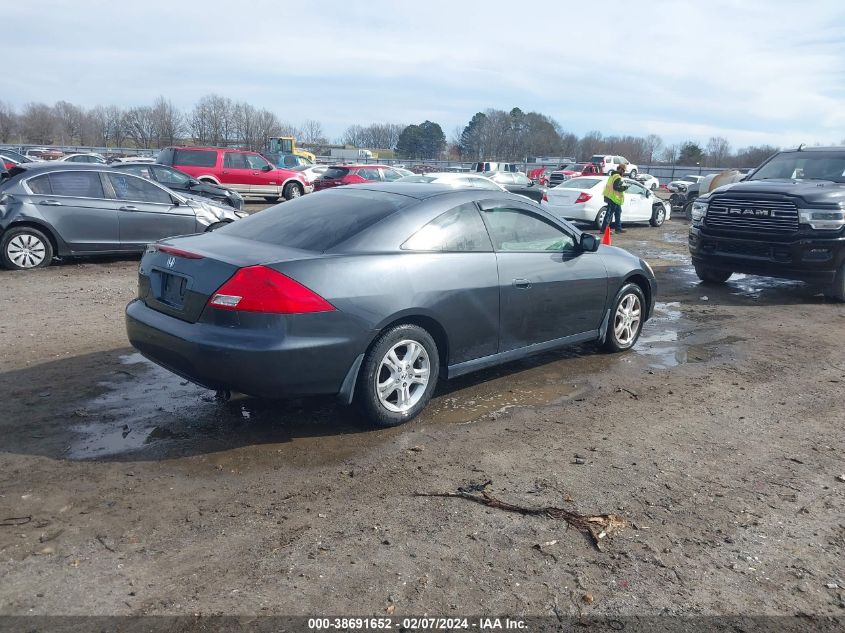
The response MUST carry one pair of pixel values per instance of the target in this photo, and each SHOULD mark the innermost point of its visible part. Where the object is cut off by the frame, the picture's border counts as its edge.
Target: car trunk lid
(179, 276)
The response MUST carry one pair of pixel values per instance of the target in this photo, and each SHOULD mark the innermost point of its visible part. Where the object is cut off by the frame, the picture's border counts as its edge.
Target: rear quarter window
(40, 185)
(195, 158)
(335, 172)
(317, 222)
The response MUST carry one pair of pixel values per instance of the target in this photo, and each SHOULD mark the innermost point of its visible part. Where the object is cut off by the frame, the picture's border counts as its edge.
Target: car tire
(292, 190)
(654, 186)
(390, 407)
(216, 225)
(688, 210)
(658, 215)
(634, 173)
(712, 275)
(25, 248)
(626, 319)
(600, 217)
(836, 291)
(272, 198)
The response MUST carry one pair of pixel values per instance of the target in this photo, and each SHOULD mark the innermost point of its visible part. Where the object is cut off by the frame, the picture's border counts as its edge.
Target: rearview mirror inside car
(589, 243)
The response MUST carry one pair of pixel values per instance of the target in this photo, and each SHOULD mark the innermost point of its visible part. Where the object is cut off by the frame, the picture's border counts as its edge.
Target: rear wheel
(658, 215)
(626, 319)
(634, 173)
(24, 248)
(398, 375)
(600, 217)
(836, 291)
(292, 190)
(712, 275)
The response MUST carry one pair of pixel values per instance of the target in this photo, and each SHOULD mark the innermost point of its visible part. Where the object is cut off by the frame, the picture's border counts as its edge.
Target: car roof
(421, 190)
(358, 165)
(60, 165)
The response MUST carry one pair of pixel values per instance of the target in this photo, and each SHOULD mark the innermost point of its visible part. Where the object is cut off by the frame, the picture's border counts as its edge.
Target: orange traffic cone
(605, 239)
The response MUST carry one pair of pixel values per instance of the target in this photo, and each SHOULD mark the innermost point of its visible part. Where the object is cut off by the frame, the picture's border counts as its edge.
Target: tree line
(217, 120)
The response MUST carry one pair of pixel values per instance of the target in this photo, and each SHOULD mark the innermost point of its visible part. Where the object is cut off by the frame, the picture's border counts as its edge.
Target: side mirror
(267, 168)
(589, 243)
(647, 193)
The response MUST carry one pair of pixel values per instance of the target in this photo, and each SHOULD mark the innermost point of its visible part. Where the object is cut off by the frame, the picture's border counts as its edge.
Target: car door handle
(521, 283)
(129, 207)
(51, 203)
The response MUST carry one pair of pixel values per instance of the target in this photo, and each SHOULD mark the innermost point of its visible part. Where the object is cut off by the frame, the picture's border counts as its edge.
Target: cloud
(685, 70)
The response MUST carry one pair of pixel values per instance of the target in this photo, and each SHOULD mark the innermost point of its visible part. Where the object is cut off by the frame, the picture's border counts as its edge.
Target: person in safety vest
(614, 196)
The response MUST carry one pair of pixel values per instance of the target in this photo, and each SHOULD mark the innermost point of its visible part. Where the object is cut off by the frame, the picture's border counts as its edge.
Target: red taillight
(583, 198)
(172, 250)
(545, 197)
(261, 289)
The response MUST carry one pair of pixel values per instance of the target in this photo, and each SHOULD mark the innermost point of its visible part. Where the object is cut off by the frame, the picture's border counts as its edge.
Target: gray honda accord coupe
(374, 291)
(68, 209)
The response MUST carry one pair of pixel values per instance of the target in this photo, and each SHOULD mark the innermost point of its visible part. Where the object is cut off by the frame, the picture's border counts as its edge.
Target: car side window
(235, 160)
(169, 176)
(134, 189)
(40, 185)
(368, 173)
(460, 230)
(391, 175)
(483, 183)
(79, 184)
(138, 170)
(255, 162)
(635, 188)
(522, 231)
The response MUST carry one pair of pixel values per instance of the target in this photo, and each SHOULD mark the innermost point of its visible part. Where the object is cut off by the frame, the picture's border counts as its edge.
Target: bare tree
(168, 122)
(211, 120)
(354, 135)
(38, 123)
(8, 122)
(311, 133)
(139, 124)
(718, 150)
(653, 145)
(68, 122)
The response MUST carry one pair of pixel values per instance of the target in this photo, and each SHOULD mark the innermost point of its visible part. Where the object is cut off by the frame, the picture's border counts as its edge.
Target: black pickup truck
(785, 219)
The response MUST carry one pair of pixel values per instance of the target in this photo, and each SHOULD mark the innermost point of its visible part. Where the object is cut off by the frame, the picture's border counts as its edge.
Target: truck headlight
(699, 211)
(822, 219)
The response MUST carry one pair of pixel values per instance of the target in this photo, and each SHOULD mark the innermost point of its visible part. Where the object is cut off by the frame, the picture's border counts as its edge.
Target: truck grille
(772, 215)
(556, 179)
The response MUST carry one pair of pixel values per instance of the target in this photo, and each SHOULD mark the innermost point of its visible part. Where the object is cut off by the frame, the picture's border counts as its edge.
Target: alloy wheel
(403, 376)
(626, 322)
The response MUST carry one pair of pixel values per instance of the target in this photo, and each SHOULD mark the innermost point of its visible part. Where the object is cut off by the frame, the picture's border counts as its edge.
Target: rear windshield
(579, 183)
(335, 172)
(195, 158)
(319, 221)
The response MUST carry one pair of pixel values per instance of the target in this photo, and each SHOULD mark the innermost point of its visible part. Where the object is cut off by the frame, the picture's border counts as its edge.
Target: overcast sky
(753, 71)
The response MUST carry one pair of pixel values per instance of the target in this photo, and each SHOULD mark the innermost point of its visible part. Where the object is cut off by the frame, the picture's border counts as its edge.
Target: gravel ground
(718, 440)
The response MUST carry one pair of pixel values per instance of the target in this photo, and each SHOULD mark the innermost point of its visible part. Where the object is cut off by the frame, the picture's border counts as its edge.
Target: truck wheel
(24, 248)
(836, 291)
(712, 275)
(658, 215)
(272, 198)
(600, 217)
(398, 375)
(688, 210)
(291, 191)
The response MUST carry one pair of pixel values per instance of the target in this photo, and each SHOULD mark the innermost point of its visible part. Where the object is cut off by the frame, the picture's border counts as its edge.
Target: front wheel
(398, 375)
(600, 217)
(291, 191)
(712, 275)
(24, 248)
(634, 173)
(215, 226)
(626, 319)
(658, 215)
(836, 291)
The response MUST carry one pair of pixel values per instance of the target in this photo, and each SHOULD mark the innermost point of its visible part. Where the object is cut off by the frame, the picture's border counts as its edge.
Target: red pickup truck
(572, 171)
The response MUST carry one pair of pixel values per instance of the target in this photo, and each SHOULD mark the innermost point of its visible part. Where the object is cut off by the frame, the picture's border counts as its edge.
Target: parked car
(607, 164)
(14, 158)
(583, 199)
(43, 153)
(682, 184)
(60, 209)
(183, 183)
(248, 173)
(517, 183)
(338, 175)
(786, 219)
(573, 170)
(96, 159)
(131, 159)
(648, 181)
(311, 172)
(454, 179)
(374, 292)
(399, 169)
(493, 166)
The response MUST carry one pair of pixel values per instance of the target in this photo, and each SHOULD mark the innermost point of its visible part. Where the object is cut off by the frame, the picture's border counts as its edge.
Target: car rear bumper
(270, 362)
(570, 212)
(811, 260)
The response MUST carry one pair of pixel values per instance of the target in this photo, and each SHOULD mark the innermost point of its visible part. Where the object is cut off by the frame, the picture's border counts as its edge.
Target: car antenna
(801, 146)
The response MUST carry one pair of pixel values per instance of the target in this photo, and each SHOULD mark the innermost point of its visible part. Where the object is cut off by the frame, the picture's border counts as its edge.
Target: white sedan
(455, 179)
(648, 181)
(582, 199)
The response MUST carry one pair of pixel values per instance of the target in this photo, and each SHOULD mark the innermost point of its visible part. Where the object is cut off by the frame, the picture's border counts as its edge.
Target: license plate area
(170, 289)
